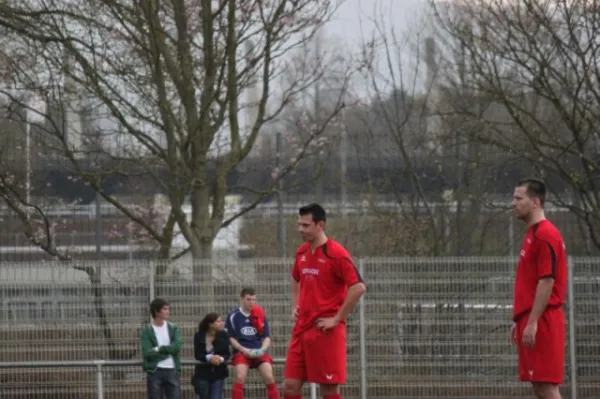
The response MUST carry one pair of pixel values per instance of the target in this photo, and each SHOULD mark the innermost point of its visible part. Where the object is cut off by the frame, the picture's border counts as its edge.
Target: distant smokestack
(71, 108)
(430, 60)
(252, 97)
(433, 117)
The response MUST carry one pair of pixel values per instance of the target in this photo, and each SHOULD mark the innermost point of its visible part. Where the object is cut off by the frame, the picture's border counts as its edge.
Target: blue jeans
(209, 389)
(163, 382)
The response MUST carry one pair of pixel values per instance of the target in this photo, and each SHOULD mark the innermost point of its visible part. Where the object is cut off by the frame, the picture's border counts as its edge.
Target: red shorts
(545, 362)
(239, 358)
(317, 356)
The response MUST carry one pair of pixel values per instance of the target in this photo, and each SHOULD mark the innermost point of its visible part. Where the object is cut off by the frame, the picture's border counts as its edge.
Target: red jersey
(543, 254)
(324, 278)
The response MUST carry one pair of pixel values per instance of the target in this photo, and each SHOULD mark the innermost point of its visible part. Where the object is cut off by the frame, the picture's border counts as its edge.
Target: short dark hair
(536, 188)
(156, 306)
(247, 291)
(315, 210)
(210, 318)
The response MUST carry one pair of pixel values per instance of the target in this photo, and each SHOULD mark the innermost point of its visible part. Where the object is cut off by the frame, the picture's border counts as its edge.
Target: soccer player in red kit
(326, 286)
(539, 324)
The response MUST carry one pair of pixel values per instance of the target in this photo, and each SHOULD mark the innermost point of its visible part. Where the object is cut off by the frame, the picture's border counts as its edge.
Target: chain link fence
(427, 327)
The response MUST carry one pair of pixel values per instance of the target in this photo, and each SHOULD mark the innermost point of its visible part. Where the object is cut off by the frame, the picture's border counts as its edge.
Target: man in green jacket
(161, 343)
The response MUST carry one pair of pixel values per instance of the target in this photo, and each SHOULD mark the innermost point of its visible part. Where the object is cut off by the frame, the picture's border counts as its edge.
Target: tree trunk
(114, 353)
(202, 262)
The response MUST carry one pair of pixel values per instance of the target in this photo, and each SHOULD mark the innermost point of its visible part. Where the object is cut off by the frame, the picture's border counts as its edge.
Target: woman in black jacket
(211, 348)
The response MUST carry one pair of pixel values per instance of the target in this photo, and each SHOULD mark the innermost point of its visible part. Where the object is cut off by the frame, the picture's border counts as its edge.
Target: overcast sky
(357, 20)
(356, 15)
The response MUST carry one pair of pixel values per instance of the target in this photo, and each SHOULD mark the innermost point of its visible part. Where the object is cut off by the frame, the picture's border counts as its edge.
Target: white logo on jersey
(313, 272)
(329, 376)
(248, 330)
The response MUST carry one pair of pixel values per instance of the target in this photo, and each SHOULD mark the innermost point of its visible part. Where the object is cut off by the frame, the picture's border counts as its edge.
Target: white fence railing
(426, 328)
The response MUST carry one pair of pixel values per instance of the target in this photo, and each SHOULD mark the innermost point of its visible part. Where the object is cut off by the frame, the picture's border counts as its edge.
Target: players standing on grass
(539, 294)
(326, 286)
(249, 335)
(161, 343)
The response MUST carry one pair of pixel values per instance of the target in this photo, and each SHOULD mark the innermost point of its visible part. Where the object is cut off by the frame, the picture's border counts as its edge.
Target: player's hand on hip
(327, 323)
(295, 313)
(513, 334)
(529, 334)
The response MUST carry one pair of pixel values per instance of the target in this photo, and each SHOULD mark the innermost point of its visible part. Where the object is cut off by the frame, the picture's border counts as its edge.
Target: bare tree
(534, 63)
(173, 76)
(407, 127)
(188, 87)
(385, 131)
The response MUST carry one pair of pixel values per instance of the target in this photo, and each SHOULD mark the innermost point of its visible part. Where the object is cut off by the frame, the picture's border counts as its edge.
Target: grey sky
(356, 15)
(356, 21)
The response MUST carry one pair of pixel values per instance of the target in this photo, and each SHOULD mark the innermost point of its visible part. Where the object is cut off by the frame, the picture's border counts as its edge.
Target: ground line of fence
(94, 363)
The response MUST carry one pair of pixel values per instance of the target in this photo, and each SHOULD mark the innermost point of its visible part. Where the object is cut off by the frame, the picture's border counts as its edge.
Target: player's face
(523, 205)
(309, 230)
(248, 301)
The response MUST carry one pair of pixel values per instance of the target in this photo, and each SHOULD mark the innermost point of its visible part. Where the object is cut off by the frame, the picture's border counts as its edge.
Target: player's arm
(231, 332)
(354, 293)
(266, 342)
(546, 269)
(356, 289)
(542, 295)
(236, 345)
(295, 288)
(295, 293)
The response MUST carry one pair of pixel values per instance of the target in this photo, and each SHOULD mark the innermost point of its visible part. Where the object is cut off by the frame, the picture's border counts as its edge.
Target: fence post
(151, 287)
(362, 339)
(313, 390)
(571, 324)
(99, 379)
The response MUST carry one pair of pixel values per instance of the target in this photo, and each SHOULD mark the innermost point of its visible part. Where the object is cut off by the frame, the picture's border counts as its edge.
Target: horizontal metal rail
(100, 364)
(93, 363)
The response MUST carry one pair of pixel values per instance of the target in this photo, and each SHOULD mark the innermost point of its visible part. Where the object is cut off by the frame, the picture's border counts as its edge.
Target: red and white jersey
(324, 278)
(543, 254)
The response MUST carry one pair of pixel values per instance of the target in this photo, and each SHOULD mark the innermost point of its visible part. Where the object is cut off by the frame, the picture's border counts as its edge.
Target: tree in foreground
(190, 88)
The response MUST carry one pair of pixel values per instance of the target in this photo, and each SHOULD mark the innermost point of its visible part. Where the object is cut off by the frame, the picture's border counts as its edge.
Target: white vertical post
(99, 379)
(362, 338)
(511, 235)
(313, 390)
(571, 324)
(151, 274)
(343, 165)
(27, 161)
(280, 215)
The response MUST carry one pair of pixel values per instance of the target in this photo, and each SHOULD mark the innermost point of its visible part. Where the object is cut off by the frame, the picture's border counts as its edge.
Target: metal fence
(427, 327)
